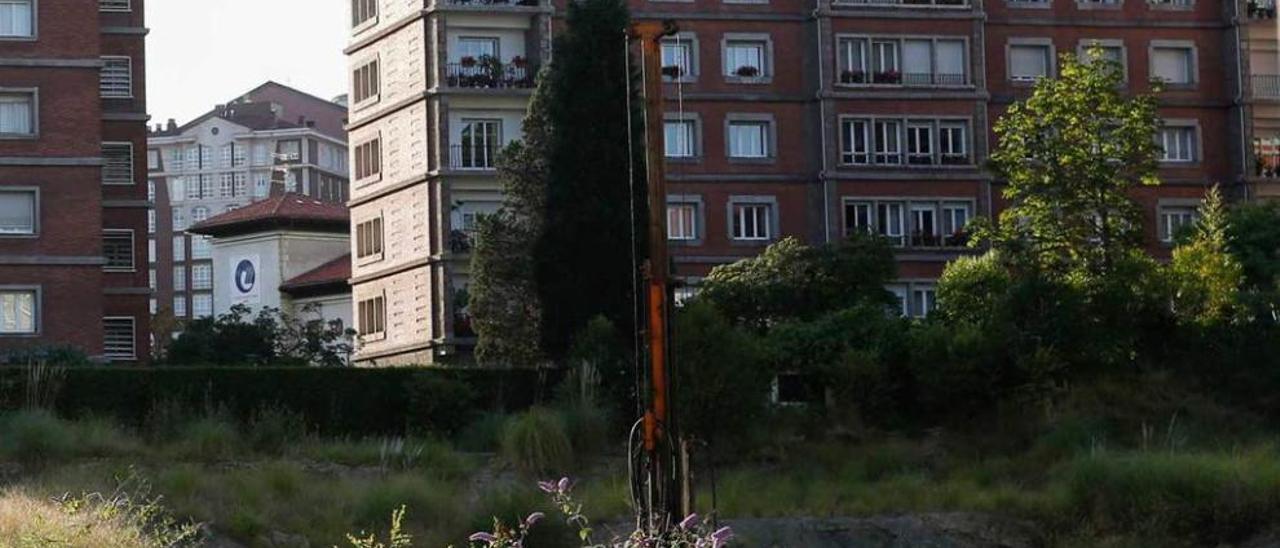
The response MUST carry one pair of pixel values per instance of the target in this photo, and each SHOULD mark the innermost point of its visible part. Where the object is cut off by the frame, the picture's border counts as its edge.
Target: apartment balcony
(902, 3)
(490, 73)
(1265, 86)
(910, 79)
(474, 157)
(1260, 9)
(492, 3)
(919, 239)
(460, 242)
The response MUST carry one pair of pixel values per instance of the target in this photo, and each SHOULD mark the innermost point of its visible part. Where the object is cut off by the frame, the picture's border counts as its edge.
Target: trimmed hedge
(351, 402)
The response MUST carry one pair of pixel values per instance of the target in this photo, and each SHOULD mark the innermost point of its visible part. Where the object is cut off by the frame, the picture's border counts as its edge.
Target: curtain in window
(1171, 64)
(17, 312)
(15, 114)
(917, 63)
(1029, 61)
(949, 66)
(744, 55)
(17, 213)
(679, 139)
(15, 17)
(746, 140)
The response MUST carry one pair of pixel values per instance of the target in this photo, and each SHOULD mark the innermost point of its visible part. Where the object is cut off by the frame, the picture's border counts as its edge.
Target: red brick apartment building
(73, 201)
(805, 118)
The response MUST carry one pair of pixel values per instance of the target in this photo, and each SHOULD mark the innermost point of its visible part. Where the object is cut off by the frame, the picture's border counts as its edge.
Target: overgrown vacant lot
(1081, 483)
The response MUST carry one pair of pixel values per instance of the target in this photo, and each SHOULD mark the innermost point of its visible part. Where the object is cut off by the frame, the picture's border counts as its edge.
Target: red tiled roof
(335, 272)
(285, 210)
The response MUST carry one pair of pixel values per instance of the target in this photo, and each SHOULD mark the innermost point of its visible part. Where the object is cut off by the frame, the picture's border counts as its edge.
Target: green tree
(1070, 154)
(504, 305)
(790, 280)
(584, 254)
(1253, 231)
(1206, 276)
(268, 338)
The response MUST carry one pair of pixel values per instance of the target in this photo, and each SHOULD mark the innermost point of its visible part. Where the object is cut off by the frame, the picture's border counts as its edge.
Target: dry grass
(31, 521)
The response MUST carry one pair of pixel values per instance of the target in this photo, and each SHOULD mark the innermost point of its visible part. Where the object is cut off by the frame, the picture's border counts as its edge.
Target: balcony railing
(489, 74)
(893, 78)
(1261, 9)
(1265, 86)
(905, 3)
(477, 156)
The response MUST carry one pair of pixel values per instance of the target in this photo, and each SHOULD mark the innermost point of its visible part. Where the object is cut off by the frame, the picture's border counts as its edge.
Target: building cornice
(392, 271)
(51, 161)
(133, 31)
(127, 204)
(51, 260)
(126, 116)
(32, 62)
(389, 190)
(1109, 23)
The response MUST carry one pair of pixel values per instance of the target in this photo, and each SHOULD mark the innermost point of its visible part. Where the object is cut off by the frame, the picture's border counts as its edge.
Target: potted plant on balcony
(672, 71)
(459, 241)
(887, 77)
(747, 71)
(853, 77)
(519, 62)
(467, 62)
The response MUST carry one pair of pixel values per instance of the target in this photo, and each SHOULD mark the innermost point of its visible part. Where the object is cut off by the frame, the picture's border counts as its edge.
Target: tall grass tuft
(209, 438)
(36, 437)
(272, 429)
(536, 443)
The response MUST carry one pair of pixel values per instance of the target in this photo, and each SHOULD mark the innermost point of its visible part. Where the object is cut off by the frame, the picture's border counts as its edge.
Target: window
(180, 306)
(113, 5)
(365, 80)
(151, 278)
(682, 222)
(227, 185)
(153, 160)
(179, 219)
(17, 113)
(879, 141)
(899, 292)
(915, 62)
(680, 137)
(479, 142)
(199, 214)
(17, 212)
(155, 306)
(1178, 143)
(369, 238)
(117, 248)
(179, 278)
(201, 276)
(151, 221)
(192, 184)
(1173, 64)
(237, 155)
(201, 247)
(853, 61)
(749, 139)
(117, 166)
(241, 184)
(677, 58)
(745, 58)
(151, 250)
(1108, 50)
(752, 222)
(1174, 220)
(18, 311)
(931, 222)
(372, 316)
(261, 184)
(369, 159)
(1027, 62)
(179, 248)
(363, 11)
(884, 62)
(201, 305)
(478, 47)
(17, 19)
(924, 300)
(118, 334)
(116, 80)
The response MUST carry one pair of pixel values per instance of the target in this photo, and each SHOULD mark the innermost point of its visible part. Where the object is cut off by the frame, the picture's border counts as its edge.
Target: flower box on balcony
(959, 239)
(887, 77)
(853, 77)
(519, 62)
(672, 71)
(467, 62)
(747, 71)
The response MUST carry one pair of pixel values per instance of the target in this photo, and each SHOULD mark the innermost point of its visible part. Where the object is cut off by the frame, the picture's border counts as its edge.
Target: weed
(536, 443)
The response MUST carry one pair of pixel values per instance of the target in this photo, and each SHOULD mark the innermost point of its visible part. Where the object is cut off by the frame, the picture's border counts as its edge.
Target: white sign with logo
(244, 271)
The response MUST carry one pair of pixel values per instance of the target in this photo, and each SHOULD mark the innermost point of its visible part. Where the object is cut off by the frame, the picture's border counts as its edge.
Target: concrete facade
(72, 173)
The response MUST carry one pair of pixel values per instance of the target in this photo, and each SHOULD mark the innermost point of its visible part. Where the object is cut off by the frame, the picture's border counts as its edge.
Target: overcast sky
(204, 52)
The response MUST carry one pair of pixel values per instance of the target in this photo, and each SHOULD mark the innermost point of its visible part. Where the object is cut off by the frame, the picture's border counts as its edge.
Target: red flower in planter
(747, 71)
(853, 77)
(519, 61)
(467, 61)
(672, 71)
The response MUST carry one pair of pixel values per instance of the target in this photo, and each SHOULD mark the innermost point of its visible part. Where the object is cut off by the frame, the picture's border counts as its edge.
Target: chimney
(173, 125)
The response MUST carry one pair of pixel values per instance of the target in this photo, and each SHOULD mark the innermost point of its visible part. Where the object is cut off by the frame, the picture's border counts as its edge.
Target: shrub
(36, 437)
(588, 427)
(483, 434)
(536, 442)
(439, 405)
(273, 428)
(209, 438)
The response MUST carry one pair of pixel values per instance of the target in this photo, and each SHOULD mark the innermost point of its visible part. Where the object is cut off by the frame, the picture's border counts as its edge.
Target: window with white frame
(151, 221)
(369, 239)
(914, 222)
(201, 247)
(114, 5)
(920, 143)
(1174, 220)
(746, 58)
(261, 184)
(179, 248)
(955, 221)
(924, 224)
(180, 306)
(18, 311)
(151, 250)
(1173, 64)
(179, 278)
(201, 305)
(228, 150)
(237, 155)
(119, 339)
(890, 220)
(749, 139)
(179, 218)
(480, 142)
(879, 141)
(155, 305)
(175, 160)
(858, 218)
(151, 191)
(886, 142)
(116, 80)
(151, 278)
(679, 137)
(240, 184)
(117, 249)
(885, 68)
(17, 212)
(227, 185)
(682, 221)
(677, 58)
(911, 61)
(752, 221)
(199, 214)
(192, 186)
(924, 300)
(206, 185)
(1178, 143)
(17, 113)
(368, 159)
(365, 83)
(899, 292)
(153, 160)
(953, 143)
(117, 166)
(17, 19)
(1027, 62)
(372, 316)
(1108, 50)
(201, 276)
(363, 11)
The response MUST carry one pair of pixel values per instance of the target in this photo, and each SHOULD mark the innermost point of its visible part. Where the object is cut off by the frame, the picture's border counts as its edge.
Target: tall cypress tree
(584, 252)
